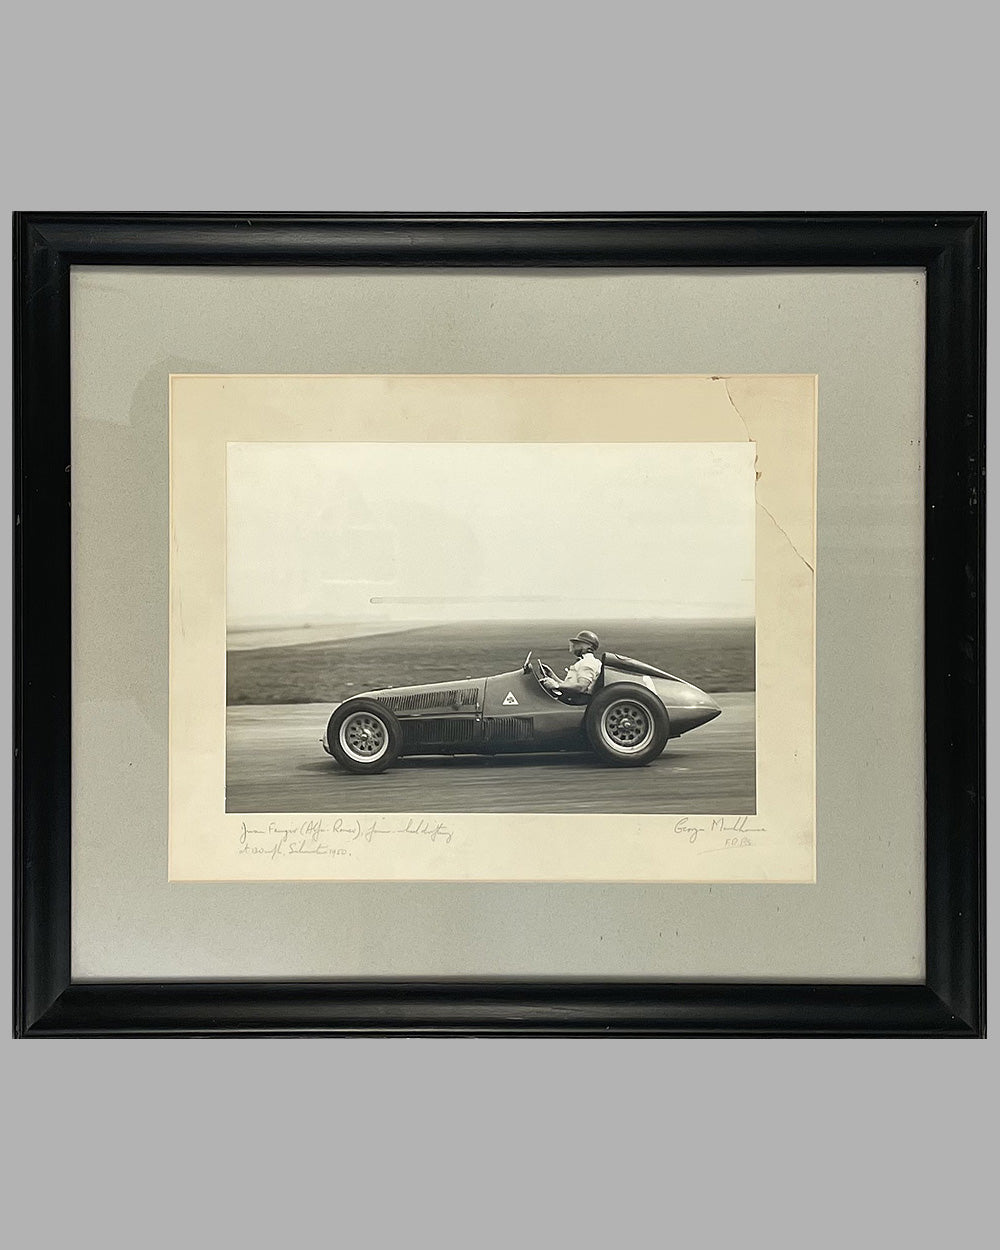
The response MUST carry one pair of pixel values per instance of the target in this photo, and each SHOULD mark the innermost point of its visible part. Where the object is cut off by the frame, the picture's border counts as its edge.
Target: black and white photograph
(490, 627)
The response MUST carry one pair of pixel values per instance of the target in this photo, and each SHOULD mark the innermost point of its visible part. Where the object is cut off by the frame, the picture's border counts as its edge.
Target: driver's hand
(550, 683)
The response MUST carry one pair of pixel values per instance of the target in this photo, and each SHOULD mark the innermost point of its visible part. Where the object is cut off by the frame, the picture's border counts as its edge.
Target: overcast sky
(430, 531)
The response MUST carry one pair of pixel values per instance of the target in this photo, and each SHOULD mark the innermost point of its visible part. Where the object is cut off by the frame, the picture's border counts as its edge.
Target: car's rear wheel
(627, 725)
(363, 736)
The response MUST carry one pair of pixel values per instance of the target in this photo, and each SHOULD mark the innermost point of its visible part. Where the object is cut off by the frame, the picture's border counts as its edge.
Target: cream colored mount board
(757, 433)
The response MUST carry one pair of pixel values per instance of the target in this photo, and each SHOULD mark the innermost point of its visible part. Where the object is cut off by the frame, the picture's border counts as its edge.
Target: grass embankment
(715, 655)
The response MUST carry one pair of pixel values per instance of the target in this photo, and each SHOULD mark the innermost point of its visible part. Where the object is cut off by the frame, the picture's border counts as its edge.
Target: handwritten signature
(735, 826)
(319, 837)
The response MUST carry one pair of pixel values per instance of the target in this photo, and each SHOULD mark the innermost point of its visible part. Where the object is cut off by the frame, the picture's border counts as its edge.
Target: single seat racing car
(626, 720)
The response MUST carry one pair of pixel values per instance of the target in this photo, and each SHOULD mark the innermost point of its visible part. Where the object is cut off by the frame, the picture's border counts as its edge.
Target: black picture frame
(950, 247)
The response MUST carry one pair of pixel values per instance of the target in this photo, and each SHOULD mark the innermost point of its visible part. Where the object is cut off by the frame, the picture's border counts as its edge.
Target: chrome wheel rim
(627, 727)
(364, 737)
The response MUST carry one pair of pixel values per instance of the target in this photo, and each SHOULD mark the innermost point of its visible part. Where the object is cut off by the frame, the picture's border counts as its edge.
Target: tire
(627, 725)
(363, 736)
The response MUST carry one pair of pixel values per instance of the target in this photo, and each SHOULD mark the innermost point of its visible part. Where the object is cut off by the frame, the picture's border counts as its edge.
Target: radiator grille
(509, 728)
(431, 699)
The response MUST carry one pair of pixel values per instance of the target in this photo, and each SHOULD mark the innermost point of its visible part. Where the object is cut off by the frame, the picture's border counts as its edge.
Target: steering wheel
(543, 670)
(526, 666)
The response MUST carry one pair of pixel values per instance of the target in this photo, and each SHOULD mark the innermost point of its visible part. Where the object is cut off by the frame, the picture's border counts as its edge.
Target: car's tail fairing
(686, 705)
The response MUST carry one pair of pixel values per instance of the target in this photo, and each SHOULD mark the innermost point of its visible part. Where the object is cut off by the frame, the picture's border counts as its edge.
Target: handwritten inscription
(356, 829)
(332, 837)
(736, 827)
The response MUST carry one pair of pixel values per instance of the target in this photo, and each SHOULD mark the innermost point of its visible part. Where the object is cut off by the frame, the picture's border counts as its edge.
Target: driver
(582, 675)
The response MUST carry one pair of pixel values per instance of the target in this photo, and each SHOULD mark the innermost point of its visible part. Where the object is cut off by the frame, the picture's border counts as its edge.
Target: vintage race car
(626, 720)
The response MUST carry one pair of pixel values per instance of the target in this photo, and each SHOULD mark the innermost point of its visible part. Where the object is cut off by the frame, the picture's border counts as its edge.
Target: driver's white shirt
(582, 674)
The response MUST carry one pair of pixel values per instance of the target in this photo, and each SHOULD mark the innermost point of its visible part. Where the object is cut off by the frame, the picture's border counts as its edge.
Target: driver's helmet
(588, 638)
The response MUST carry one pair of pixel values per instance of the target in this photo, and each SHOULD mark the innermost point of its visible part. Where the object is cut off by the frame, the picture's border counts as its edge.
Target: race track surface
(274, 763)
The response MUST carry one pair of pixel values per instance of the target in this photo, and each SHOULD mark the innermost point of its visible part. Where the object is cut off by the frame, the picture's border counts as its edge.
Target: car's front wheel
(627, 725)
(363, 736)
